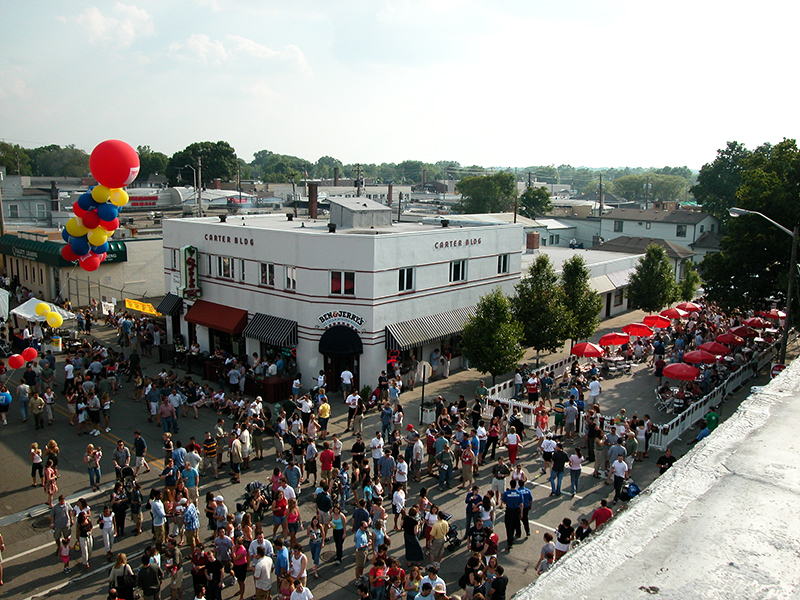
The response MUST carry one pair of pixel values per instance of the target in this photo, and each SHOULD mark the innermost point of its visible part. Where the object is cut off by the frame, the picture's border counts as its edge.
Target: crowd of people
(319, 492)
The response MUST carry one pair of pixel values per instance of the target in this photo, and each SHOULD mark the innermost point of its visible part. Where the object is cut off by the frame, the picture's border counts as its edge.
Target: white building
(682, 227)
(340, 299)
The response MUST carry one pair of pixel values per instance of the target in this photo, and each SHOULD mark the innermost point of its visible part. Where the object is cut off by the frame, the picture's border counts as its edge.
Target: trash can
(55, 343)
(427, 414)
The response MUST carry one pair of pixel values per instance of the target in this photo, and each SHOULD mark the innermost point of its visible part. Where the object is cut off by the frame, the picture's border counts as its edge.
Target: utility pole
(200, 185)
(601, 196)
(294, 194)
(787, 323)
(239, 179)
(358, 180)
(529, 179)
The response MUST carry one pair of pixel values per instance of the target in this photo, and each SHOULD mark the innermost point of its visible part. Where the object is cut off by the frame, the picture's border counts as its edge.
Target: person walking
(619, 468)
(5, 403)
(139, 451)
(49, 482)
(559, 461)
(37, 465)
(61, 520)
(513, 517)
(92, 461)
(575, 461)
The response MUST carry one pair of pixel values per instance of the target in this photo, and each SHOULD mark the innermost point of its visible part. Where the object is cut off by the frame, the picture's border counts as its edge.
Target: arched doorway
(340, 346)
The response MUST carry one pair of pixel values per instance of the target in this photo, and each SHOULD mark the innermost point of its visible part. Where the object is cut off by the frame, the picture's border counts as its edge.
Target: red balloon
(79, 212)
(30, 354)
(114, 163)
(68, 254)
(110, 226)
(15, 361)
(90, 220)
(90, 262)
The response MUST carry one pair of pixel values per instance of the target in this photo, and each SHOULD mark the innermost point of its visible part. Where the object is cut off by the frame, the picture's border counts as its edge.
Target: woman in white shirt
(576, 459)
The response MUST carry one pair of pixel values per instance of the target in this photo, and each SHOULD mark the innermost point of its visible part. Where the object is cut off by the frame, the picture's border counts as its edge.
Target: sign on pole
(775, 370)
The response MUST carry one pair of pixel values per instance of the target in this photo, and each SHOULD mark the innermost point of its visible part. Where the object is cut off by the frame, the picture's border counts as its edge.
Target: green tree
(15, 159)
(753, 263)
(652, 284)
(151, 162)
(539, 304)
(411, 169)
(68, 161)
(719, 180)
(534, 201)
(582, 303)
(325, 165)
(690, 282)
(492, 338)
(487, 193)
(218, 162)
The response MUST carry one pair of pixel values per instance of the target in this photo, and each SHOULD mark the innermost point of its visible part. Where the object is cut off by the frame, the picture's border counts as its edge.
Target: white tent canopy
(4, 294)
(27, 311)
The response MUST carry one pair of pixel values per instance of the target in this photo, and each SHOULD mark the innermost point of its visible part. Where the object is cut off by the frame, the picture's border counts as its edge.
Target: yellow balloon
(119, 197)
(54, 319)
(98, 236)
(75, 227)
(42, 308)
(100, 194)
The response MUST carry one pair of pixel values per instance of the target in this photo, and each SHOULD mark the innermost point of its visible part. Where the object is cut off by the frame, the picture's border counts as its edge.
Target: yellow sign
(144, 307)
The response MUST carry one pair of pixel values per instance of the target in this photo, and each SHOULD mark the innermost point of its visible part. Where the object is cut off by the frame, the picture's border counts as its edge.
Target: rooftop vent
(331, 227)
(289, 216)
(223, 218)
(445, 222)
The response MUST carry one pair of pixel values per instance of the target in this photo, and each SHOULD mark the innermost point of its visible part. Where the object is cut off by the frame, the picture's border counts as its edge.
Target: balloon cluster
(114, 165)
(52, 317)
(16, 361)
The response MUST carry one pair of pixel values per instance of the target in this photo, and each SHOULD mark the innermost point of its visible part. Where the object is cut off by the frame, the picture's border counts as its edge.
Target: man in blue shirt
(473, 502)
(281, 558)
(191, 523)
(527, 501)
(191, 477)
(362, 546)
(513, 501)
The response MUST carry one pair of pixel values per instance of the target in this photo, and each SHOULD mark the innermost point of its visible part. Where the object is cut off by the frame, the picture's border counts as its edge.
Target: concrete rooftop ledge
(722, 523)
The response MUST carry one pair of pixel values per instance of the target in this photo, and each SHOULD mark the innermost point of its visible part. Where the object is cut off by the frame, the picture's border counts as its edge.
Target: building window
(406, 279)
(343, 282)
(502, 264)
(241, 269)
(268, 274)
(702, 228)
(458, 271)
(617, 226)
(647, 225)
(209, 261)
(41, 276)
(680, 231)
(225, 267)
(41, 210)
(13, 211)
(26, 272)
(291, 278)
(712, 228)
(618, 296)
(33, 274)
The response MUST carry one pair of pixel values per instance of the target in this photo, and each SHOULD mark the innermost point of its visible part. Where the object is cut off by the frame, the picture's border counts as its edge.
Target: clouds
(235, 49)
(121, 27)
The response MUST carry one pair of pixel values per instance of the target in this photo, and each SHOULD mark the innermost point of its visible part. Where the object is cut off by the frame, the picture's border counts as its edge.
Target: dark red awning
(216, 316)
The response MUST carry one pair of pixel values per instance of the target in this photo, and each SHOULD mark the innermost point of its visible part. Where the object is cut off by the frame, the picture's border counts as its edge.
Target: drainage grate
(41, 523)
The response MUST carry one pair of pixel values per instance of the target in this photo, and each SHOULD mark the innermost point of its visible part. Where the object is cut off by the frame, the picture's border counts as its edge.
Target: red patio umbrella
(744, 331)
(681, 372)
(638, 329)
(674, 313)
(775, 314)
(756, 323)
(700, 356)
(689, 307)
(730, 339)
(656, 321)
(715, 348)
(587, 349)
(614, 339)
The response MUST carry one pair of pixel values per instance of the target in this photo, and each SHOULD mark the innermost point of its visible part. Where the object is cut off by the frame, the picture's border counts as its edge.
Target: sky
(495, 83)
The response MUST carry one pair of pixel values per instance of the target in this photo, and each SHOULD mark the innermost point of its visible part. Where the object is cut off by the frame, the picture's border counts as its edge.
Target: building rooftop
(626, 243)
(599, 262)
(708, 239)
(684, 217)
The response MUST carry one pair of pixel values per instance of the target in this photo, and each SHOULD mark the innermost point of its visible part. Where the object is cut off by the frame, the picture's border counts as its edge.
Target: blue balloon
(107, 211)
(86, 202)
(99, 249)
(80, 245)
(65, 235)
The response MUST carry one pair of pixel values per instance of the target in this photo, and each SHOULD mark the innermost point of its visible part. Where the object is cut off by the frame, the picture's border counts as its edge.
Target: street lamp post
(738, 212)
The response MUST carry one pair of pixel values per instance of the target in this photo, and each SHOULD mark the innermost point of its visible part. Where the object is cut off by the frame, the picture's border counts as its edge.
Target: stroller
(249, 494)
(127, 477)
(452, 539)
(629, 492)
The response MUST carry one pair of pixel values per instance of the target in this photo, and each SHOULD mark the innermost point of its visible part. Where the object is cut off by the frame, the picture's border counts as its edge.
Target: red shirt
(601, 515)
(326, 459)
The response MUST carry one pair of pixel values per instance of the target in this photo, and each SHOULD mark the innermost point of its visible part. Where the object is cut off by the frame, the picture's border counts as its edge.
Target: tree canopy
(652, 284)
(687, 288)
(218, 161)
(68, 161)
(539, 305)
(487, 193)
(151, 162)
(753, 263)
(491, 338)
(650, 186)
(534, 201)
(583, 304)
(719, 180)
(15, 159)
